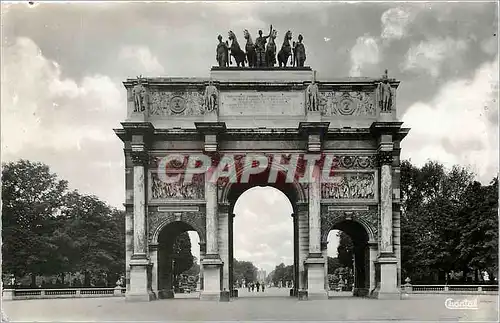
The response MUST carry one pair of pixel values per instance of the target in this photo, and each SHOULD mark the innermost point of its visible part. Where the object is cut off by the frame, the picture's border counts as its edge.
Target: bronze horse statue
(236, 52)
(271, 49)
(250, 49)
(286, 50)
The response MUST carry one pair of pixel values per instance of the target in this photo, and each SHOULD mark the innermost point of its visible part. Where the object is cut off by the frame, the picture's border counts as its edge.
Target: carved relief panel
(350, 185)
(348, 103)
(176, 188)
(183, 103)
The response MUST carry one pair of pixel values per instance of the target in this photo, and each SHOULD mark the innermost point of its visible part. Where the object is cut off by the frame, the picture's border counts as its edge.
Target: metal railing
(17, 294)
(449, 289)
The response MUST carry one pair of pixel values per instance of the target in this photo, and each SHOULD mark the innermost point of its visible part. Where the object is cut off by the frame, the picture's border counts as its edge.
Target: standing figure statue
(250, 49)
(260, 48)
(299, 53)
(140, 96)
(236, 52)
(211, 97)
(312, 95)
(286, 50)
(271, 49)
(385, 94)
(222, 53)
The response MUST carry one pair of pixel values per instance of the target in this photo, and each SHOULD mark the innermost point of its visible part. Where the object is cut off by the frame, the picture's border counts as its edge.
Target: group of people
(259, 286)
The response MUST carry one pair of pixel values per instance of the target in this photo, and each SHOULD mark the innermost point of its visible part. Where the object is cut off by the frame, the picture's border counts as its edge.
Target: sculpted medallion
(349, 103)
(189, 103)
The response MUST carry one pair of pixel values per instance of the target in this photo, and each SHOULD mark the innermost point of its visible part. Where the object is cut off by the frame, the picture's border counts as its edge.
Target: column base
(146, 297)
(302, 295)
(166, 294)
(387, 288)
(315, 265)
(140, 280)
(385, 295)
(209, 296)
(361, 292)
(212, 267)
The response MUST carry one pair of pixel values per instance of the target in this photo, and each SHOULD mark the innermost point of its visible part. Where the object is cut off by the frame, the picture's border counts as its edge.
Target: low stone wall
(18, 294)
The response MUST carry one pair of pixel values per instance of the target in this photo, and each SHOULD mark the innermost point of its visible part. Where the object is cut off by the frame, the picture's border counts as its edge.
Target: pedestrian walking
(258, 287)
(253, 287)
(263, 287)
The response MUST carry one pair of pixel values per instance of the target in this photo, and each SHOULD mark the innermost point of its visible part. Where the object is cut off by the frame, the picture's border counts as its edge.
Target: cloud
(141, 58)
(40, 108)
(430, 55)
(395, 23)
(490, 45)
(459, 126)
(364, 52)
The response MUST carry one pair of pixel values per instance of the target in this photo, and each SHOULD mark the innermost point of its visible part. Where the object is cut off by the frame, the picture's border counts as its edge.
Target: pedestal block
(212, 271)
(140, 280)
(316, 277)
(387, 288)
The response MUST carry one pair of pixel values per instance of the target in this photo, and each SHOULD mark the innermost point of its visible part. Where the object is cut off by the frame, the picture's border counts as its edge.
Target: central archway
(262, 234)
(293, 191)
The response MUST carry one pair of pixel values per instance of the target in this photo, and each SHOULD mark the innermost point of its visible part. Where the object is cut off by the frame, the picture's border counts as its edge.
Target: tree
(90, 237)
(446, 222)
(333, 264)
(31, 197)
(244, 270)
(181, 251)
(282, 273)
(345, 250)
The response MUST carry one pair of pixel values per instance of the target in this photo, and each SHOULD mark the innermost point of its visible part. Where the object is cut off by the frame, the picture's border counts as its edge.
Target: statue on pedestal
(260, 48)
(299, 53)
(140, 96)
(312, 95)
(222, 53)
(385, 94)
(211, 97)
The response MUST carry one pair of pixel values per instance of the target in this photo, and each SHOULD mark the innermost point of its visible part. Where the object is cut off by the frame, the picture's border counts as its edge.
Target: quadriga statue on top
(262, 53)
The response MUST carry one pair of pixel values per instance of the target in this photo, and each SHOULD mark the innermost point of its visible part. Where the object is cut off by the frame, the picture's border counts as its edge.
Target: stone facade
(263, 111)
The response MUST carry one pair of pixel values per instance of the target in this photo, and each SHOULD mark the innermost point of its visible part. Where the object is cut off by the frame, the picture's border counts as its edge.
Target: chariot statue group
(262, 53)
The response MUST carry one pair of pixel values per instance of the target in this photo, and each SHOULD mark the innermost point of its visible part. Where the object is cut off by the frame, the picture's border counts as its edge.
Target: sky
(63, 64)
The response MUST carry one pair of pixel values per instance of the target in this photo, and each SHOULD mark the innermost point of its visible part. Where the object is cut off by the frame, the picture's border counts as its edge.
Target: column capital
(385, 157)
(140, 158)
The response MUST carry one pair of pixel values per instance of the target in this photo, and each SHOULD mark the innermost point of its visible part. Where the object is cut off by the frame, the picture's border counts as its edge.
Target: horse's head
(274, 33)
(288, 35)
(231, 35)
(246, 34)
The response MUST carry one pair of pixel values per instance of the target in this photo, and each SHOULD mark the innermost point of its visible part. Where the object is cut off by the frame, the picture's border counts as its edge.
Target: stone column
(140, 266)
(372, 258)
(315, 262)
(203, 249)
(129, 244)
(212, 264)
(211, 217)
(387, 262)
(153, 254)
(385, 158)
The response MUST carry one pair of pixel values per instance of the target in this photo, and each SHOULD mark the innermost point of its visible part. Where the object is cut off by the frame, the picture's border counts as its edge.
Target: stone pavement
(271, 307)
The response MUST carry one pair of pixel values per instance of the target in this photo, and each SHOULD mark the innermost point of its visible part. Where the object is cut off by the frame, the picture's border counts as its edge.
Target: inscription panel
(262, 103)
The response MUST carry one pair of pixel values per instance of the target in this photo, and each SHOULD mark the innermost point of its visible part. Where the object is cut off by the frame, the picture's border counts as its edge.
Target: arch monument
(289, 122)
